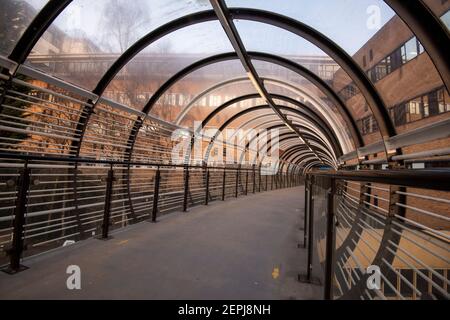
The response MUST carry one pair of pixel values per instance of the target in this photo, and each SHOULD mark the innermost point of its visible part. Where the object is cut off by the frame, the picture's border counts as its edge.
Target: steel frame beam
(296, 121)
(236, 116)
(427, 27)
(430, 31)
(227, 23)
(227, 104)
(36, 29)
(286, 137)
(273, 81)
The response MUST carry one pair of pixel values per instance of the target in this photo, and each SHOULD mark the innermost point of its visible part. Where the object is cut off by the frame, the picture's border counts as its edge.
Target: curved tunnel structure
(205, 100)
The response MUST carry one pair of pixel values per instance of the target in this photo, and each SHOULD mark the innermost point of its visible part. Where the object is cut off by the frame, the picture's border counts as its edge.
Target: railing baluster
(329, 250)
(224, 177)
(17, 246)
(207, 188)
(156, 194)
(186, 188)
(237, 182)
(107, 206)
(254, 179)
(305, 218)
(246, 182)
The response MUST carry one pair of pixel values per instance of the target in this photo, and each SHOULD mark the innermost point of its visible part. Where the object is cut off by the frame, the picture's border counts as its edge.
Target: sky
(344, 21)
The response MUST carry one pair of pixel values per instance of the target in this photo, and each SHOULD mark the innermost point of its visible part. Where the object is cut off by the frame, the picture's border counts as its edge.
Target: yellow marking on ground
(122, 242)
(275, 273)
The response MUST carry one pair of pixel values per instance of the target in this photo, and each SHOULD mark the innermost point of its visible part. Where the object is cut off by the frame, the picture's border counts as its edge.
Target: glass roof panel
(335, 19)
(152, 67)
(88, 36)
(262, 37)
(211, 101)
(182, 94)
(306, 93)
(379, 42)
(227, 113)
(441, 9)
(15, 17)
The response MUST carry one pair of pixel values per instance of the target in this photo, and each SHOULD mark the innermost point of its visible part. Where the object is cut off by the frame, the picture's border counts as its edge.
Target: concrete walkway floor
(243, 248)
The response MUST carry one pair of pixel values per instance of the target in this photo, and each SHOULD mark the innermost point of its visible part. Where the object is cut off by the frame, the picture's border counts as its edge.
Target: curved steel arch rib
(316, 80)
(322, 85)
(309, 114)
(301, 115)
(320, 112)
(347, 63)
(320, 135)
(36, 29)
(430, 31)
(246, 111)
(432, 38)
(230, 120)
(323, 151)
(319, 144)
(320, 147)
(271, 121)
(286, 137)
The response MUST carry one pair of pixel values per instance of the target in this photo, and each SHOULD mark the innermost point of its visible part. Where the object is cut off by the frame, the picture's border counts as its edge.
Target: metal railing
(392, 226)
(46, 201)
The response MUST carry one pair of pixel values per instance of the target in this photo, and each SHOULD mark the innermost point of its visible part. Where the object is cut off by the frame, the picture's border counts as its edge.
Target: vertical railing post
(259, 179)
(207, 188)
(305, 218)
(310, 236)
(186, 188)
(328, 293)
(156, 194)
(254, 179)
(237, 181)
(17, 245)
(224, 177)
(277, 181)
(266, 180)
(246, 181)
(107, 205)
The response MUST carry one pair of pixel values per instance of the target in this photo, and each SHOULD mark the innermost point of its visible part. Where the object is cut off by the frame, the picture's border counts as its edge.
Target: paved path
(243, 248)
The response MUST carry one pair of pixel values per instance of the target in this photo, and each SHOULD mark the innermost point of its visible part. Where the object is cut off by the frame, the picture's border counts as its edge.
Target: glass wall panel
(88, 36)
(441, 9)
(152, 67)
(310, 95)
(377, 39)
(209, 102)
(194, 84)
(15, 17)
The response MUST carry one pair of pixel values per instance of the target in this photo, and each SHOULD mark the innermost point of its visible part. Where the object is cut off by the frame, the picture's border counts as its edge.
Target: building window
(371, 55)
(443, 100)
(349, 91)
(446, 19)
(365, 128)
(426, 105)
(400, 114)
(409, 50)
(368, 125)
(406, 52)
